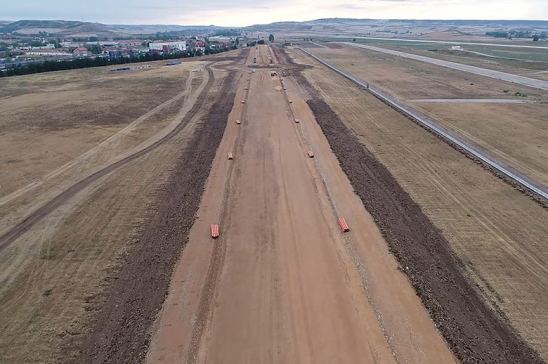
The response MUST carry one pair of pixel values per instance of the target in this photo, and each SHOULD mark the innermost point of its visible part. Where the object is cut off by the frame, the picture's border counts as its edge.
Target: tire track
(28, 222)
(219, 252)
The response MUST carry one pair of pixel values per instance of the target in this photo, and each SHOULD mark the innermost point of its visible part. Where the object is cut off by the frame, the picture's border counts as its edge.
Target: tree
(271, 38)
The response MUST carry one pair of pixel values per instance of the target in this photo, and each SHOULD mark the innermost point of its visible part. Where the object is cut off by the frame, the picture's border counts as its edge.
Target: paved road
(525, 81)
(453, 42)
(472, 101)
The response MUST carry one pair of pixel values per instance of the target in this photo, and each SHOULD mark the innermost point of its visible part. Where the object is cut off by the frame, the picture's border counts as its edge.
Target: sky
(247, 12)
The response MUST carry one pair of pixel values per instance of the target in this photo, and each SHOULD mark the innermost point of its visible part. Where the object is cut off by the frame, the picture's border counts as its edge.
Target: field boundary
(539, 192)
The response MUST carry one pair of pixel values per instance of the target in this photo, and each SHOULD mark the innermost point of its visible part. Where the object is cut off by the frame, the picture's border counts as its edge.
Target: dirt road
(282, 283)
(526, 81)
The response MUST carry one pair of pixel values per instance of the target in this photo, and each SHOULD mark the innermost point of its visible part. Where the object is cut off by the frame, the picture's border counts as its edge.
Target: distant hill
(396, 26)
(57, 27)
(341, 26)
(379, 22)
(78, 28)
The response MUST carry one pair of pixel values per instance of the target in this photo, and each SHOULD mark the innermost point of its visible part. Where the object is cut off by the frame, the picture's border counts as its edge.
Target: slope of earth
(282, 283)
(56, 275)
(515, 134)
(498, 233)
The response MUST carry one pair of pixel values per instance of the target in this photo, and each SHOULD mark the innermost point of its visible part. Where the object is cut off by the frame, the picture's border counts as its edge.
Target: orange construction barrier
(343, 225)
(214, 231)
(310, 154)
(230, 156)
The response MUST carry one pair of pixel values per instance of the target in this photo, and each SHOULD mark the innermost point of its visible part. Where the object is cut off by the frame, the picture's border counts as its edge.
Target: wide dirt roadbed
(495, 231)
(282, 283)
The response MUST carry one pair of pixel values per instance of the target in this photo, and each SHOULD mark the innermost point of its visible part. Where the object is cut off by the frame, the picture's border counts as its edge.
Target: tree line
(61, 65)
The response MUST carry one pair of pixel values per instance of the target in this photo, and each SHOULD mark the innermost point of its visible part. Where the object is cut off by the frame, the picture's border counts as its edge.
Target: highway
(433, 126)
(452, 42)
(503, 76)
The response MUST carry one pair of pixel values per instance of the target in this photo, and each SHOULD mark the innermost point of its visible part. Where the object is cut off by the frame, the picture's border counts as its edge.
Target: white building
(160, 46)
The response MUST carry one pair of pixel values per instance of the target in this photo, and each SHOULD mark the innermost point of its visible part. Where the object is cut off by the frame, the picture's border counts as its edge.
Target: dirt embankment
(121, 328)
(474, 332)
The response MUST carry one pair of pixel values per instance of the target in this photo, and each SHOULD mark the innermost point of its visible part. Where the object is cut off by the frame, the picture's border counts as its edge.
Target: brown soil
(282, 283)
(474, 332)
(121, 329)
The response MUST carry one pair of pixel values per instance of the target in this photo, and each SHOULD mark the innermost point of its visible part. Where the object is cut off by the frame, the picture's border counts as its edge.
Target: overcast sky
(247, 12)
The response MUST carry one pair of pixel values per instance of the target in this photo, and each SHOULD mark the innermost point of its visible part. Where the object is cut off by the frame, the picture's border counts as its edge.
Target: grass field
(513, 133)
(65, 126)
(523, 61)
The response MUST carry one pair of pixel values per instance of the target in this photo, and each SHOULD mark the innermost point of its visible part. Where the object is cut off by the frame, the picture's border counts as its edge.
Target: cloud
(246, 12)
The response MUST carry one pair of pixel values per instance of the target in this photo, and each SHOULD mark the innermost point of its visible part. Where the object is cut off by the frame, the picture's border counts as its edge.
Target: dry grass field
(60, 115)
(529, 62)
(498, 232)
(56, 129)
(515, 133)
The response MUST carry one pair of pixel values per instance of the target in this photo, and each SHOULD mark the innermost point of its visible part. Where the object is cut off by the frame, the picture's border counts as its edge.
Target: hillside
(78, 28)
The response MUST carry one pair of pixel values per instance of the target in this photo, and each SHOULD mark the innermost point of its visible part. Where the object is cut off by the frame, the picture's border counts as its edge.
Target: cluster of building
(62, 50)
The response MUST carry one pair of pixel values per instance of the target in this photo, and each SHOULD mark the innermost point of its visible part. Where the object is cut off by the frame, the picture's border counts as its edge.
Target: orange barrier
(310, 154)
(214, 231)
(344, 226)
(230, 156)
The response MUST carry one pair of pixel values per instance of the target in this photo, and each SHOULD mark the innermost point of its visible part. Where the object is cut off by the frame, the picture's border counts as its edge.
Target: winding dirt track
(282, 283)
(58, 200)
